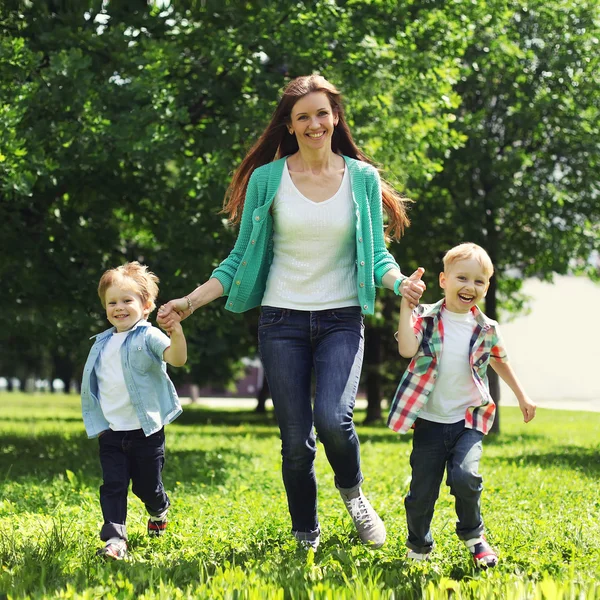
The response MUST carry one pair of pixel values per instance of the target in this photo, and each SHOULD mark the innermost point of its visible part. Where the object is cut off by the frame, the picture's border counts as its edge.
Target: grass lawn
(229, 532)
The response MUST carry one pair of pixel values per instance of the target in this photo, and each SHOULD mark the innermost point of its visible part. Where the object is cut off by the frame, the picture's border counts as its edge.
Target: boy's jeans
(436, 447)
(292, 344)
(126, 455)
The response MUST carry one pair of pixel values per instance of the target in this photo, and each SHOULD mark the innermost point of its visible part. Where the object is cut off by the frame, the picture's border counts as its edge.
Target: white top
(112, 390)
(314, 249)
(454, 389)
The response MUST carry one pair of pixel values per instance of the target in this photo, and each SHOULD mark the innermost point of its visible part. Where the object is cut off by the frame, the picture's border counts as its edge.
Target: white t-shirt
(112, 390)
(454, 389)
(314, 249)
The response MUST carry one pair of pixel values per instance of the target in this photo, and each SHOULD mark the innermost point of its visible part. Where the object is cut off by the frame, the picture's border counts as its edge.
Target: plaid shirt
(419, 378)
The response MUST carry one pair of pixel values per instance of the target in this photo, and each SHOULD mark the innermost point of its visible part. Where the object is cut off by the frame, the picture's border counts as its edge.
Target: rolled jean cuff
(111, 530)
(470, 534)
(349, 490)
(419, 549)
(307, 535)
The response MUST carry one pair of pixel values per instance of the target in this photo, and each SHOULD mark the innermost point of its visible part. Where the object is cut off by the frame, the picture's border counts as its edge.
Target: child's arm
(507, 374)
(408, 343)
(176, 353)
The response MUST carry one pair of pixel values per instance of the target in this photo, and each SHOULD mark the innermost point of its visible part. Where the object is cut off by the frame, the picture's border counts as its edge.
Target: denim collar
(107, 332)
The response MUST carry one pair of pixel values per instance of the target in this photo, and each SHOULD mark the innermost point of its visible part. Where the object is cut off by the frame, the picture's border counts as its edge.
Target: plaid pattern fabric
(419, 379)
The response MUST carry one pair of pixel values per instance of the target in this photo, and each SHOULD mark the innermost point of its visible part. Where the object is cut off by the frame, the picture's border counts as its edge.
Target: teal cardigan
(243, 274)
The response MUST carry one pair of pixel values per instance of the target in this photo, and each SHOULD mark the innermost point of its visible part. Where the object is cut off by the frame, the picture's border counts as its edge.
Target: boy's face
(124, 307)
(465, 284)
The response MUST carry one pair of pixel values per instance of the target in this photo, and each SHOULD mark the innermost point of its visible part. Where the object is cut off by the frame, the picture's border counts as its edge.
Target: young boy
(444, 395)
(127, 398)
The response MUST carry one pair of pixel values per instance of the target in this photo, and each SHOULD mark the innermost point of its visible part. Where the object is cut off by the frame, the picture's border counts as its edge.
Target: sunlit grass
(229, 531)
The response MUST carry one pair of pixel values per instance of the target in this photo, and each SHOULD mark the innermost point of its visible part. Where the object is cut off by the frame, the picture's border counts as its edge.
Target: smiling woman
(310, 251)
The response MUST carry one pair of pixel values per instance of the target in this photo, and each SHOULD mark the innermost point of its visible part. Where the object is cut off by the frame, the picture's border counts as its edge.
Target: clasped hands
(412, 288)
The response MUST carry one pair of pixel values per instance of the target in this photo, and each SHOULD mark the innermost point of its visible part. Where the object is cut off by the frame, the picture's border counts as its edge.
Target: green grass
(229, 531)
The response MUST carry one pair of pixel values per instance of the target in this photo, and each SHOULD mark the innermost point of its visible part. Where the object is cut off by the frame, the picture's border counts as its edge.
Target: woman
(310, 251)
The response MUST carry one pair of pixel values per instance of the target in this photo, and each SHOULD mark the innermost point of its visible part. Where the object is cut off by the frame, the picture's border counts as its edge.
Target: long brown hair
(276, 142)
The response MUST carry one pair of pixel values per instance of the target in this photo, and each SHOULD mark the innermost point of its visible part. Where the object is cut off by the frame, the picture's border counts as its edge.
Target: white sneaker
(369, 526)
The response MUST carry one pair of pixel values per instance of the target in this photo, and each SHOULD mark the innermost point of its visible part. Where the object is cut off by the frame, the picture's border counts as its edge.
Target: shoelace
(359, 511)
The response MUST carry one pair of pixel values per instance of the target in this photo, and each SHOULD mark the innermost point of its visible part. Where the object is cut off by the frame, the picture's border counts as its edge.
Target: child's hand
(412, 288)
(171, 323)
(527, 408)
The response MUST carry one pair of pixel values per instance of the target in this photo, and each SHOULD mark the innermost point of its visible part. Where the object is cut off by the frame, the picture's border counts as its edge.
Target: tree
(524, 184)
(122, 123)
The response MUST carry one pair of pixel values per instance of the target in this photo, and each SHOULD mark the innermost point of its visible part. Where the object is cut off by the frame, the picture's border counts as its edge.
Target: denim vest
(151, 391)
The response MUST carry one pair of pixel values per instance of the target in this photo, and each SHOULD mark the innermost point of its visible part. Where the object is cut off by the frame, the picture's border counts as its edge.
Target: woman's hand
(165, 312)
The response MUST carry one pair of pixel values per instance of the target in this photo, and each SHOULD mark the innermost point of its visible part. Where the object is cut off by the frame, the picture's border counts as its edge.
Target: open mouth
(466, 298)
(316, 136)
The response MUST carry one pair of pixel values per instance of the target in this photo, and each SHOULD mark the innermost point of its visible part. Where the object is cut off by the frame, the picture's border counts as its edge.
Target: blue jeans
(124, 456)
(293, 345)
(438, 447)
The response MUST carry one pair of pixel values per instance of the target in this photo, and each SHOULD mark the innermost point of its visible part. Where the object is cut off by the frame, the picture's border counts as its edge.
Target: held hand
(527, 408)
(178, 306)
(412, 288)
(171, 323)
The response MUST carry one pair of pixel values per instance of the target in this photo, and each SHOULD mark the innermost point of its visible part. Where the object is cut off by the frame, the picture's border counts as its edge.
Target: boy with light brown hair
(127, 398)
(444, 396)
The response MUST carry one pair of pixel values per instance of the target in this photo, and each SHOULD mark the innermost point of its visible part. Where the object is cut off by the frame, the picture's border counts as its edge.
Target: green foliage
(229, 531)
(122, 122)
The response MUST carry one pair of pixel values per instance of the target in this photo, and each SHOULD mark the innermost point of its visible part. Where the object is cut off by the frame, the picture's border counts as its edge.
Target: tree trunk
(63, 369)
(373, 357)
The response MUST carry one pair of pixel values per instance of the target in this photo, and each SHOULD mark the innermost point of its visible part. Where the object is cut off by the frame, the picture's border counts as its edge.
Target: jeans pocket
(349, 314)
(269, 316)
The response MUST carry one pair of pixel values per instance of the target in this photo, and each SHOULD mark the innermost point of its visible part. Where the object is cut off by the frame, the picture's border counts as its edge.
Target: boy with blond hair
(127, 398)
(444, 396)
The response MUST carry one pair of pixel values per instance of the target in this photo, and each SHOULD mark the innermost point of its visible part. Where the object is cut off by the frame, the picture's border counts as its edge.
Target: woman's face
(312, 122)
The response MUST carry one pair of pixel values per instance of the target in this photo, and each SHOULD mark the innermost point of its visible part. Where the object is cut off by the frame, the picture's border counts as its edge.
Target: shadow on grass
(49, 455)
(198, 415)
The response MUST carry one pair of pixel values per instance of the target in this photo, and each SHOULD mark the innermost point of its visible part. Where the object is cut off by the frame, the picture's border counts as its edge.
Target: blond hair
(134, 276)
(466, 251)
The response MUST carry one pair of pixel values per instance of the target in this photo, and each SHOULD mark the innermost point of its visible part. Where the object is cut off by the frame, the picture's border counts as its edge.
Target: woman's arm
(411, 288)
(222, 277)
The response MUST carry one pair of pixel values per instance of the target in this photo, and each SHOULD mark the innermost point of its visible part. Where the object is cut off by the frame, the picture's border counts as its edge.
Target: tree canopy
(121, 123)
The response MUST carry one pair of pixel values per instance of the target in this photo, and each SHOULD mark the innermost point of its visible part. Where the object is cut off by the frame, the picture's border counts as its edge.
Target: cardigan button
(238, 282)
(231, 304)
(362, 263)
(362, 284)
(360, 239)
(243, 263)
(253, 242)
(366, 306)
(257, 218)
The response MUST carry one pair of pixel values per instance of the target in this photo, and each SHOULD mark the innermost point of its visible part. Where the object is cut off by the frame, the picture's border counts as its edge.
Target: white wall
(555, 349)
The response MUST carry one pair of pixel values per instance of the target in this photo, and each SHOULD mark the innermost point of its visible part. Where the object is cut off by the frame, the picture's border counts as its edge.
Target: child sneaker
(483, 554)
(115, 549)
(369, 526)
(156, 526)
